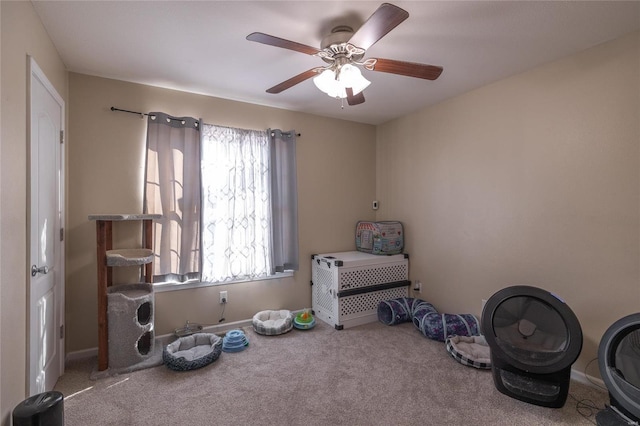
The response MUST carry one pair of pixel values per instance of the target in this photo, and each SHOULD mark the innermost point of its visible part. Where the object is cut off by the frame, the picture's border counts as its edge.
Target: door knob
(35, 270)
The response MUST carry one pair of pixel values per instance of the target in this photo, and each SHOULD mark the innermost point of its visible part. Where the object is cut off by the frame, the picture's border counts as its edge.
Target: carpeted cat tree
(131, 314)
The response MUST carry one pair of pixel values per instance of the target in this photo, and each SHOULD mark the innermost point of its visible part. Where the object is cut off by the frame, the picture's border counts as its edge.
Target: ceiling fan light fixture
(327, 83)
(349, 76)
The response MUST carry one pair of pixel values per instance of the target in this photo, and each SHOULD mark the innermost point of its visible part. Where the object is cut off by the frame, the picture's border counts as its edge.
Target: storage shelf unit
(108, 257)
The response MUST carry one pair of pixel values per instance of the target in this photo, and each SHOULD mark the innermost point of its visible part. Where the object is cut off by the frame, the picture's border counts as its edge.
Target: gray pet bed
(472, 351)
(272, 323)
(191, 352)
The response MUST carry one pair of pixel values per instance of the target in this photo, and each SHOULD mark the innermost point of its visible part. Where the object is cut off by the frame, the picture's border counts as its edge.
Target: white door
(46, 266)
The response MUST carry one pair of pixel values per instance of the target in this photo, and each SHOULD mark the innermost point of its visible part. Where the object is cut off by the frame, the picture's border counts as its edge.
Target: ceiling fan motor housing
(336, 49)
(340, 34)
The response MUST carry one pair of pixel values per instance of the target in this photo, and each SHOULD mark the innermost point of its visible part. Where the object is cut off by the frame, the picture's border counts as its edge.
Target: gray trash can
(43, 409)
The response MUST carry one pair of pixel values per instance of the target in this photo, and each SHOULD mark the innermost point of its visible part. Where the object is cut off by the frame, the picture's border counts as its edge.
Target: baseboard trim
(586, 379)
(81, 354)
(162, 339)
(223, 328)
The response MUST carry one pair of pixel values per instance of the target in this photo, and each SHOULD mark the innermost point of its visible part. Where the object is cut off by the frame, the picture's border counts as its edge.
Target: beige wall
(336, 184)
(22, 35)
(532, 180)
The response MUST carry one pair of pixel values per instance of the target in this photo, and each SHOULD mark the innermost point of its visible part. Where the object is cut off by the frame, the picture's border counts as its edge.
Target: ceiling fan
(343, 51)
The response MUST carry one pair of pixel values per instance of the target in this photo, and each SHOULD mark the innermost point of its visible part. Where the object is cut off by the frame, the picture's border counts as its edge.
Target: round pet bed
(272, 323)
(472, 351)
(191, 352)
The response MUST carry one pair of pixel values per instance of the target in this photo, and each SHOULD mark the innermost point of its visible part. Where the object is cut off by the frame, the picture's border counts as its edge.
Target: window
(228, 199)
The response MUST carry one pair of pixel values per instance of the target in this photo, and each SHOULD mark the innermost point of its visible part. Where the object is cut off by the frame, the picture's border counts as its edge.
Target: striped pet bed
(272, 323)
(472, 351)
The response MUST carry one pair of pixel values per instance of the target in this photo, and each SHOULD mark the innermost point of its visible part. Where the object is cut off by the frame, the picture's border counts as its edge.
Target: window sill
(170, 286)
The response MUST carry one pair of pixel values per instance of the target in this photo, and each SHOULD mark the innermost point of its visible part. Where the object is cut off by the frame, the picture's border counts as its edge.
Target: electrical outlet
(417, 286)
(224, 298)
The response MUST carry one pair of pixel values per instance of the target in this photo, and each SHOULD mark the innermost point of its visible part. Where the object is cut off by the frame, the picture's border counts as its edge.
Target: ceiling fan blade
(280, 42)
(410, 69)
(292, 81)
(383, 20)
(354, 99)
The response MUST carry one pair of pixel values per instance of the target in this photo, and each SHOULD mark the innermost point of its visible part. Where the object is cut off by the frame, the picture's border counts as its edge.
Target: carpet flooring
(372, 374)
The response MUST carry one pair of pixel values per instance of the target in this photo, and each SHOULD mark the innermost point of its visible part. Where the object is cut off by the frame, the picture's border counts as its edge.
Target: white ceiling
(200, 46)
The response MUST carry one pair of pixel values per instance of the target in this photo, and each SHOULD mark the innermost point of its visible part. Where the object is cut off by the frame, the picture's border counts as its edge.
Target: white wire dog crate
(347, 287)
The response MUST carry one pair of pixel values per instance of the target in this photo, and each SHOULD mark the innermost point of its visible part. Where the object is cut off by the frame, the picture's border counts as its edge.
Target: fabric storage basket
(348, 286)
(379, 237)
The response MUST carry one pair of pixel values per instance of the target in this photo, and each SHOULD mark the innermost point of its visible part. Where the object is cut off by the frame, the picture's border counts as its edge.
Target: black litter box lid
(531, 329)
(619, 359)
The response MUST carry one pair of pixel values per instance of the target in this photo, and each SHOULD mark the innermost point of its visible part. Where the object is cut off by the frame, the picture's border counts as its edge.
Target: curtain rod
(288, 133)
(142, 114)
(130, 112)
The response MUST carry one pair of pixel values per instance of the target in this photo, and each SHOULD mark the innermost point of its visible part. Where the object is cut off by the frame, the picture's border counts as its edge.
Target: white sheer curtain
(228, 199)
(236, 209)
(172, 189)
